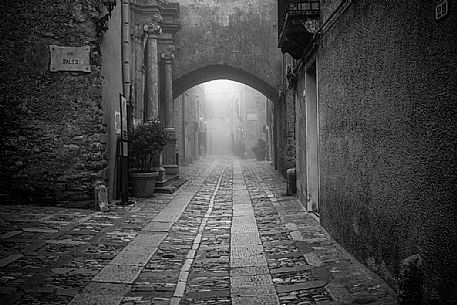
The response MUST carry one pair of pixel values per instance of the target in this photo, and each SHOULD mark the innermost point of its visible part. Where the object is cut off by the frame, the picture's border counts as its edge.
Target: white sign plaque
(70, 58)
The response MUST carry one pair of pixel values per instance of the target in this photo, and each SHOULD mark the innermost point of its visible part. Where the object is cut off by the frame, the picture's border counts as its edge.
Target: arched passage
(214, 72)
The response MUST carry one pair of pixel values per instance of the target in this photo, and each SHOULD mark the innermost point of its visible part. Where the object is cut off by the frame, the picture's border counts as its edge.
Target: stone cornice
(143, 9)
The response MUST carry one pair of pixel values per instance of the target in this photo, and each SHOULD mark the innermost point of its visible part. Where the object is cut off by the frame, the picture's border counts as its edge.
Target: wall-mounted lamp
(109, 4)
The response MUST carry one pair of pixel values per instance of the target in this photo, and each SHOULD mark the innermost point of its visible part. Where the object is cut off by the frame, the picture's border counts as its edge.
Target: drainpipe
(125, 38)
(125, 57)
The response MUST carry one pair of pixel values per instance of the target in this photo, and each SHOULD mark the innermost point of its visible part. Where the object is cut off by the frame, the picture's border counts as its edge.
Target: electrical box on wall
(441, 10)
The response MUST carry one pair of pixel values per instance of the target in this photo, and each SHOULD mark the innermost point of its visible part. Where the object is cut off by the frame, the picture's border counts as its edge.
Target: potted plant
(260, 149)
(147, 140)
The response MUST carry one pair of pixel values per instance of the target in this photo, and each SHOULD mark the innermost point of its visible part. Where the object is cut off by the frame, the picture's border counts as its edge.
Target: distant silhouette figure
(242, 149)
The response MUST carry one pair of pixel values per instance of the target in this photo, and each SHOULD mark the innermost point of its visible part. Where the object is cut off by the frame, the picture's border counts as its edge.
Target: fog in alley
(233, 117)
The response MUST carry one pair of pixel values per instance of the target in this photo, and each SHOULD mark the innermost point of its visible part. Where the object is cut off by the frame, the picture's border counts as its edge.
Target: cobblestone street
(229, 235)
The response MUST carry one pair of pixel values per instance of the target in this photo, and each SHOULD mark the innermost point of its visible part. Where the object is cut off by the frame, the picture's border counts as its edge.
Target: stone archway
(178, 45)
(231, 39)
(214, 72)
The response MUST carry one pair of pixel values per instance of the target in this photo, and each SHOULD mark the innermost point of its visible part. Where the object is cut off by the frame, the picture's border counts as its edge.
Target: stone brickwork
(230, 39)
(387, 139)
(51, 123)
(290, 123)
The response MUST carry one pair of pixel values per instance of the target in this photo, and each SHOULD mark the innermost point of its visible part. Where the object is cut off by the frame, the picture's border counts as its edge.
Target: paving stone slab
(255, 300)
(89, 299)
(209, 294)
(245, 239)
(40, 230)
(252, 291)
(148, 241)
(134, 255)
(243, 212)
(289, 254)
(339, 293)
(313, 259)
(209, 274)
(323, 273)
(251, 280)
(158, 226)
(9, 259)
(246, 261)
(243, 251)
(118, 274)
(250, 270)
(95, 288)
(299, 286)
(10, 234)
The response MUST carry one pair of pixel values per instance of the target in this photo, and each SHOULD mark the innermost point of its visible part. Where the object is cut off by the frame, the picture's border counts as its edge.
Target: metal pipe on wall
(125, 58)
(125, 38)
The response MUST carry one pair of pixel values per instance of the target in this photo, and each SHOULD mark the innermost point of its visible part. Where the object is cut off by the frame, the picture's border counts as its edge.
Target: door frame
(312, 138)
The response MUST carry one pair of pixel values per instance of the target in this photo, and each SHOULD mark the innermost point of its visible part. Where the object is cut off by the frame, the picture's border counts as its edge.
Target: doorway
(312, 139)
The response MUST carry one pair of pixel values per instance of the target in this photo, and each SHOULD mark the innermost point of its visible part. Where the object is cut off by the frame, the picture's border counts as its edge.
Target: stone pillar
(153, 29)
(138, 74)
(169, 152)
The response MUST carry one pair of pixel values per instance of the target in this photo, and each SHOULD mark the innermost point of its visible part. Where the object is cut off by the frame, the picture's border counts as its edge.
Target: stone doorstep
(165, 189)
(168, 180)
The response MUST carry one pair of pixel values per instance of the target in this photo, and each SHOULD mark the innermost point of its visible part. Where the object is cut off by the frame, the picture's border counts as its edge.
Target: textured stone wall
(51, 123)
(290, 130)
(178, 124)
(387, 109)
(238, 33)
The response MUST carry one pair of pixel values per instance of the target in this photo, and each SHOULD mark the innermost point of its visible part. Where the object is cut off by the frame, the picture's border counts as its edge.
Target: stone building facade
(53, 135)
(190, 118)
(60, 127)
(376, 96)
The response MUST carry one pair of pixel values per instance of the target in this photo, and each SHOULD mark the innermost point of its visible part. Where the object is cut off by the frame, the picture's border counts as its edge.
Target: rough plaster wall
(51, 123)
(112, 87)
(300, 148)
(240, 33)
(387, 95)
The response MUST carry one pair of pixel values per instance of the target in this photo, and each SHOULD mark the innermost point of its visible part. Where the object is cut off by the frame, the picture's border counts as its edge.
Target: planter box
(143, 184)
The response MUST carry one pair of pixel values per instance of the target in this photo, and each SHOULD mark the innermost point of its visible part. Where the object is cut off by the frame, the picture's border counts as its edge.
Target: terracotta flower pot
(143, 184)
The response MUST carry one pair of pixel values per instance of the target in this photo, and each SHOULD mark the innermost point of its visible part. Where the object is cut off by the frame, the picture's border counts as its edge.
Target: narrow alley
(229, 235)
